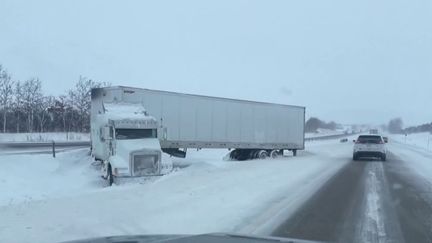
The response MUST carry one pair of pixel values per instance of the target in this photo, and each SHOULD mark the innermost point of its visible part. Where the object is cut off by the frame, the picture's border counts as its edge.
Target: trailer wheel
(262, 154)
(274, 154)
(253, 154)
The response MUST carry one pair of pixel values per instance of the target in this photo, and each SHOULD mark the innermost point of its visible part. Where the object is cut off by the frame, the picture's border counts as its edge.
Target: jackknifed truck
(134, 131)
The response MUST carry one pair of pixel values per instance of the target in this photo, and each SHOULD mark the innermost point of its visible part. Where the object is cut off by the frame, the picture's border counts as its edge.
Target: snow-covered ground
(420, 140)
(27, 178)
(324, 132)
(42, 137)
(415, 149)
(51, 200)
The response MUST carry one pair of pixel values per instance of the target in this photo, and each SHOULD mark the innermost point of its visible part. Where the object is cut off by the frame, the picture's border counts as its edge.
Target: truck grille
(146, 164)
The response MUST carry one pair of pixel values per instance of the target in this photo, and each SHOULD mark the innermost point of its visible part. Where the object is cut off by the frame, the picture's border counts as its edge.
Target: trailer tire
(253, 154)
(262, 154)
(274, 154)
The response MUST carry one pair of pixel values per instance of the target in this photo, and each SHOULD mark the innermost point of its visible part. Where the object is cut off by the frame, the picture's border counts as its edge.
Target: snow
(419, 140)
(25, 178)
(373, 228)
(51, 200)
(414, 151)
(323, 132)
(122, 110)
(415, 148)
(43, 137)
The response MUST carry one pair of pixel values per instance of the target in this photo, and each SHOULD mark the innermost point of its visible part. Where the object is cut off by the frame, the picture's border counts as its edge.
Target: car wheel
(355, 157)
(383, 157)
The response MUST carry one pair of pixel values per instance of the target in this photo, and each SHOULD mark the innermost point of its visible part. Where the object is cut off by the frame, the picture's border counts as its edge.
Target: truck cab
(125, 139)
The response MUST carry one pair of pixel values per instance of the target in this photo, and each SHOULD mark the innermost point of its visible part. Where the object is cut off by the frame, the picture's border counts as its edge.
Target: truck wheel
(262, 154)
(110, 177)
(274, 154)
(234, 154)
(294, 152)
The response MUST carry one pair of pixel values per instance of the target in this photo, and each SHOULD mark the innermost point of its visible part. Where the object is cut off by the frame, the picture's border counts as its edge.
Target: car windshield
(135, 133)
(306, 120)
(369, 139)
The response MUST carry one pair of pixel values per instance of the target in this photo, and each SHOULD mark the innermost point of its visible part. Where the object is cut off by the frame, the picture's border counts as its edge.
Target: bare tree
(6, 94)
(43, 110)
(80, 98)
(18, 104)
(61, 108)
(32, 90)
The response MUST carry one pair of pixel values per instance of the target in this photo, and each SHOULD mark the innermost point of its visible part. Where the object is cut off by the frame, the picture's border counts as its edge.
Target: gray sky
(350, 61)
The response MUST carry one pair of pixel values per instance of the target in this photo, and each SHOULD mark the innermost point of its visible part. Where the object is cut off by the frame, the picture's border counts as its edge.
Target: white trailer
(252, 129)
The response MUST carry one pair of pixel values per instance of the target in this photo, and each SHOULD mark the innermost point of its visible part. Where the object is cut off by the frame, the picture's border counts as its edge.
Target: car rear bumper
(375, 154)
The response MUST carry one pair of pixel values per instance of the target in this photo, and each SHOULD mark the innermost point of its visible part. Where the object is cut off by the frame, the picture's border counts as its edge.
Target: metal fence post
(53, 149)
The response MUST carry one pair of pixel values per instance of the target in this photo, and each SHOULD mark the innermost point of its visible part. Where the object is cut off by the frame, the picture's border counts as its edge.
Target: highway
(367, 201)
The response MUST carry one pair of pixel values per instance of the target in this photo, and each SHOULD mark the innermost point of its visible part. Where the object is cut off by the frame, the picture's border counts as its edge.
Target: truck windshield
(135, 133)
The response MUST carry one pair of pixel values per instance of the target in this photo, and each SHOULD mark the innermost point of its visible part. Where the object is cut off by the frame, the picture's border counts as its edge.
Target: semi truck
(134, 131)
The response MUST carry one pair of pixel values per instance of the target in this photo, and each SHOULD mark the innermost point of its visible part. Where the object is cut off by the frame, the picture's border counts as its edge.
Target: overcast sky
(360, 61)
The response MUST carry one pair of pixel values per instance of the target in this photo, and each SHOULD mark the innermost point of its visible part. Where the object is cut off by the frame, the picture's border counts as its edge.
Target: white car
(370, 146)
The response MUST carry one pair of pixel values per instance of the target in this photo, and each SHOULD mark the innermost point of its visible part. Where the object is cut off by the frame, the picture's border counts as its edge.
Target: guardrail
(40, 145)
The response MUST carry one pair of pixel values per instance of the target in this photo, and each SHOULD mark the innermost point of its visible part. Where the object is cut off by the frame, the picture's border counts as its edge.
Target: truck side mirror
(107, 133)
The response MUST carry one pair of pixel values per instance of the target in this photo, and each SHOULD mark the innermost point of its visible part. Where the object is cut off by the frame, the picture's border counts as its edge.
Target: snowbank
(43, 137)
(415, 152)
(26, 178)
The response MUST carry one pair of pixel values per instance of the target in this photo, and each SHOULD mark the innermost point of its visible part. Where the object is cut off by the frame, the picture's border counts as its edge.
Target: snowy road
(371, 201)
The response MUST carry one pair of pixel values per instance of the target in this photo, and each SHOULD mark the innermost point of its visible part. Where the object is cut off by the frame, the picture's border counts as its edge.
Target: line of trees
(396, 126)
(427, 127)
(313, 124)
(25, 108)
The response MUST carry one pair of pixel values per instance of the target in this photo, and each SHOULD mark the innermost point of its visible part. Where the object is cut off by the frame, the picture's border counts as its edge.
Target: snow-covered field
(51, 200)
(420, 140)
(43, 137)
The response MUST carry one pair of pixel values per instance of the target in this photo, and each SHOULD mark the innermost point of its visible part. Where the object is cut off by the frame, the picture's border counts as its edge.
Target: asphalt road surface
(366, 201)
